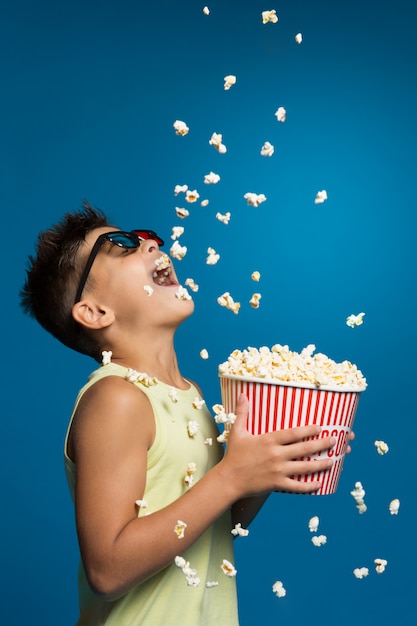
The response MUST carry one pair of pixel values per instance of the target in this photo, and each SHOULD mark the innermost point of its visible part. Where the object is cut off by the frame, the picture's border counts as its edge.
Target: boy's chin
(187, 310)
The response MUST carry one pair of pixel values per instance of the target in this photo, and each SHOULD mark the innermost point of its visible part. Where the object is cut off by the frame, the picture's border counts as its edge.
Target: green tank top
(167, 599)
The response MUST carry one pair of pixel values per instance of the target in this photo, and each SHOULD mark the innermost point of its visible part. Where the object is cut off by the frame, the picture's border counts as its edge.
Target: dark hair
(52, 277)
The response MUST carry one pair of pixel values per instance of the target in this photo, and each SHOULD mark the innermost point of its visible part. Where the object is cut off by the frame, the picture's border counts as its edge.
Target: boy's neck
(154, 357)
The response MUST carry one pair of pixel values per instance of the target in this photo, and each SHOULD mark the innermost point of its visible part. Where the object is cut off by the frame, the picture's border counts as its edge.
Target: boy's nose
(148, 245)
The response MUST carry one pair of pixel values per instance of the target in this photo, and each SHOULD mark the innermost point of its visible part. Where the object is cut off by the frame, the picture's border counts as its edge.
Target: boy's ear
(90, 315)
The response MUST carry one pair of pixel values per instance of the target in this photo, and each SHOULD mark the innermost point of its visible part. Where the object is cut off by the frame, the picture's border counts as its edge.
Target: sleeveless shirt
(166, 599)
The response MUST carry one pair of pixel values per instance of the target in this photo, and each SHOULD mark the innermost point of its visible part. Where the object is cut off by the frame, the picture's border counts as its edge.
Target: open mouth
(163, 274)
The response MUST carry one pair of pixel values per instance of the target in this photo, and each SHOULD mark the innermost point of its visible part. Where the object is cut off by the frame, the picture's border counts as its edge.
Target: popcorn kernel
(321, 197)
(106, 356)
(269, 16)
(228, 568)
(229, 81)
(211, 178)
(181, 128)
(354, 320)
(279, 589)
(281, 114)
(182, 213)
(180, 529)
(254, 199)
(267, 149)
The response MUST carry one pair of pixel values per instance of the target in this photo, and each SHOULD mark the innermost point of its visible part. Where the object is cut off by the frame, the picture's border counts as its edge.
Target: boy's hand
(264, 463)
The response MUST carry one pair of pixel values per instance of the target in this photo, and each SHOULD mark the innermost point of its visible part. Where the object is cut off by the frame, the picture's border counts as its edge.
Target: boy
(155, 497)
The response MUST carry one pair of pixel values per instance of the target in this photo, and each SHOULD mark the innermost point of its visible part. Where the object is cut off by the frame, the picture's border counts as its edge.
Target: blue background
(90, 91)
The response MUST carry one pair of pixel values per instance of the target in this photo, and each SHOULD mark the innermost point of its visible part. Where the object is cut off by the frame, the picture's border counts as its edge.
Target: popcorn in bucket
(277, 403)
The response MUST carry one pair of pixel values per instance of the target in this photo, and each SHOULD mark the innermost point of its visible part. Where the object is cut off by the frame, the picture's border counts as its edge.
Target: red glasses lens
(149, 234)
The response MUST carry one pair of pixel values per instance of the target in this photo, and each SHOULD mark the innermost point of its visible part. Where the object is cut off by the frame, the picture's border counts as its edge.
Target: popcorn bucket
(276, 405)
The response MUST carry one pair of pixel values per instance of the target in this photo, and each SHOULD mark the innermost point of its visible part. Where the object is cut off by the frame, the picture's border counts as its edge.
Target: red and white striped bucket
(276, 405)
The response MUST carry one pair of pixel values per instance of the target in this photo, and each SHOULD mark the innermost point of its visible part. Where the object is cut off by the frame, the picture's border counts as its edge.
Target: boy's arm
(112, 431)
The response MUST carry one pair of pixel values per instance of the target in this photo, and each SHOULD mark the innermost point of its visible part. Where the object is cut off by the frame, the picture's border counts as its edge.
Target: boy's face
(139, 284)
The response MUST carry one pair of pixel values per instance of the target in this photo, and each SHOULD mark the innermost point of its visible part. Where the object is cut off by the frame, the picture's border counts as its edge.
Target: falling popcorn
(227, 301)
(198, 403)
(216, 141)
(360, 572)
(142, 504)
(182, 293)
(221, 417)
(239, 531)
(380, 565)
(189, 474)
(177, 231)
(204, 202)
(189, 573)
(211, 178)
(394, 506)
(213, 257)
(206, 11)
(281, 114)
(193, 580)
(224, 218)
(212, 583)
(228, 568)
(254, 199)
(173, 394)
(106, 357)
(256, 276)
(223, 437)
(181, 212)
(319, 540)
(267, 149)
(313, 524)
(140, 377)
(269, 16)
(192, 428)
(191, 284)
(148, 289)
(298, 38)
(192, 196)
(181, 128)
(177, 251)
(381, 447)
(279, 589)
(180, 529)
(358, 494)
(229, 81)
(355, 320)
(321, 196)
(208, 441)
(204, 354)
(180, 189)
(255, 300)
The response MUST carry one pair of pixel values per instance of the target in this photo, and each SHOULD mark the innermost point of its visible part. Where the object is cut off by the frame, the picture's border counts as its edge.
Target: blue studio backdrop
(90, 93)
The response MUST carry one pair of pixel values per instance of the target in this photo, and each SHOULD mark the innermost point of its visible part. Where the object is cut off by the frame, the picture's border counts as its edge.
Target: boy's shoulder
(113, 391)
(111, 407)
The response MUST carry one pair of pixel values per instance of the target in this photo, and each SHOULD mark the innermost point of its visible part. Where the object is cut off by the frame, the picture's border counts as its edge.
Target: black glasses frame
(127, 239)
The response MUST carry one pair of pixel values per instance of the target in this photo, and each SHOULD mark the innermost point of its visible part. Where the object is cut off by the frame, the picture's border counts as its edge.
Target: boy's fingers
(295, 486)
(310, 467)
(242, 410)
(292, 435)
(312, 446)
